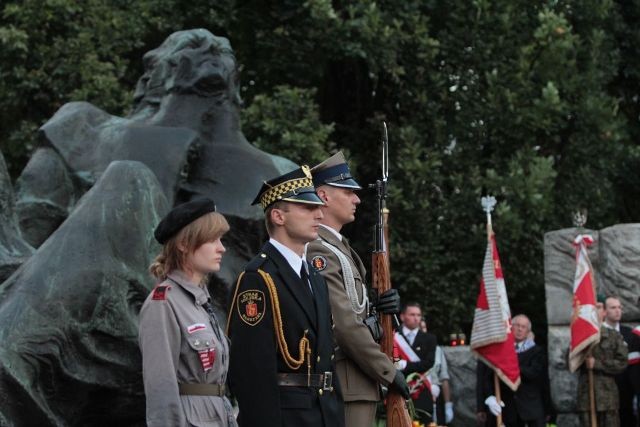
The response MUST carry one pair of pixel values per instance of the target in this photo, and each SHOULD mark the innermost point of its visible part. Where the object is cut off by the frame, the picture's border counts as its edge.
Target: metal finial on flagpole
(488, 202)
(580, 218)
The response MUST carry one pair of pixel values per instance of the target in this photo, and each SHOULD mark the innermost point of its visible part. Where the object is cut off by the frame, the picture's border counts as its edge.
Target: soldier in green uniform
(608, 358)
(360, 363)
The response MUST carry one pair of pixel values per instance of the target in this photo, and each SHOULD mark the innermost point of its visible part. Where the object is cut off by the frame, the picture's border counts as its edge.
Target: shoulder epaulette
(256, 262)
(160, 292)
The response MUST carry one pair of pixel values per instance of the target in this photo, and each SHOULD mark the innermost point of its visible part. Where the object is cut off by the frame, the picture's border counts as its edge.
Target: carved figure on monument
(184, 126)
(69, 314)
(13, 249)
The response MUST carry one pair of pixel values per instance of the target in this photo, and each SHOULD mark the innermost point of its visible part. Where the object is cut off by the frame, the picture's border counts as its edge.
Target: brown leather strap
(324, 381)
(202, 389)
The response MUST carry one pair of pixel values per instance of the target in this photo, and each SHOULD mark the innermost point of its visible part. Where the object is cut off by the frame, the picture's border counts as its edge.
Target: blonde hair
(207, 228)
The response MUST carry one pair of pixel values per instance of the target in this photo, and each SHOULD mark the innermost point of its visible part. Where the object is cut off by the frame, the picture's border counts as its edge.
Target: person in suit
(624, 380)
(525, 406)
(417, 353)
(282, 358)
(360, 363)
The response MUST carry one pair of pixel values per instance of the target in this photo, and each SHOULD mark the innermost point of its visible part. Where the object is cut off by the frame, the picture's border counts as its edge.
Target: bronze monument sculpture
(89, 199)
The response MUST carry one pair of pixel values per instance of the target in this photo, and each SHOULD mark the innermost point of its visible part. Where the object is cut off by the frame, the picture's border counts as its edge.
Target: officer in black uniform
(281, 362)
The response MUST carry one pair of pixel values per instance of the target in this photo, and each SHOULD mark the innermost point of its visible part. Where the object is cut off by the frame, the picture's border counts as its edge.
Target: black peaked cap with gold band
(295, 186)
(335, 172)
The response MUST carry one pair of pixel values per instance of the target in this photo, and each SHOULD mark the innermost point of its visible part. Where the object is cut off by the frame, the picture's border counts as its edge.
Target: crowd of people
(301, 345)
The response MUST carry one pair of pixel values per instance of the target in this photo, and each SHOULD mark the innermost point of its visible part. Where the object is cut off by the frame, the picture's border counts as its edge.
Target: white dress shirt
(294, 260)
(410, 334)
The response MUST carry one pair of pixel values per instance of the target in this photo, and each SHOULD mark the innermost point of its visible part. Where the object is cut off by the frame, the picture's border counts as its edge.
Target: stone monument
(615, 256)
(88, 200)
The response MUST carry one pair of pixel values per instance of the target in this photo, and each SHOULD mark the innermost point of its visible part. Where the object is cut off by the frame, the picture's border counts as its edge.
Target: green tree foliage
(534, 102)
(288, 121)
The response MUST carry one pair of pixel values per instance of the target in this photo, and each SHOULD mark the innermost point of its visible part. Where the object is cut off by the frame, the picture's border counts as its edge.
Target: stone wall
(462, 373)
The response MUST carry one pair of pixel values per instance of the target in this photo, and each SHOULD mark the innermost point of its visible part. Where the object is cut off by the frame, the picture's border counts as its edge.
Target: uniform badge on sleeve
(250, 306)
(319, 262)
(160, 292)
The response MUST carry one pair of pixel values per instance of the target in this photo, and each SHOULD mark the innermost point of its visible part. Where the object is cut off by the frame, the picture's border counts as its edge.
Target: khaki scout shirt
(174, 331)
(360, 363)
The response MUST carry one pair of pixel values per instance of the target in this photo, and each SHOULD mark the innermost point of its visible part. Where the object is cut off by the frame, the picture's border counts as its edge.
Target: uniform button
(207, 343)
(331, 389)
(320, 392)
(196, 342)
(333, 356)
(318, 359)
(263, 255)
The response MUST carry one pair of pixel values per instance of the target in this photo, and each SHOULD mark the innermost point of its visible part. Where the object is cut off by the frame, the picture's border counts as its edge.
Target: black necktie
(305, 277)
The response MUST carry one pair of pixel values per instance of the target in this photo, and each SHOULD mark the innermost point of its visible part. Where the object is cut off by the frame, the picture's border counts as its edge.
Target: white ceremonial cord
(349, 281)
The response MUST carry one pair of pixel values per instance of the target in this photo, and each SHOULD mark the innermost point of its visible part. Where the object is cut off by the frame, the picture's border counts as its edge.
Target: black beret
(181, 216)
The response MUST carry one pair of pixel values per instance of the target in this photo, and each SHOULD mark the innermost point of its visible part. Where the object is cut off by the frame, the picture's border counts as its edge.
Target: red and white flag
(585, 325)
(491, 336)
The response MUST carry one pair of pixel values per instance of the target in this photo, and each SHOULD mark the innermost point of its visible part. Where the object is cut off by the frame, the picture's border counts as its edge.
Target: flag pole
(592, 395)
(496, 386)
(488, 203)
(579, 220)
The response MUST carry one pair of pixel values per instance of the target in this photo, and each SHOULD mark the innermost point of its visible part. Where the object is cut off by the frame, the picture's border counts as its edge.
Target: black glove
(389, 302)
(399, 384)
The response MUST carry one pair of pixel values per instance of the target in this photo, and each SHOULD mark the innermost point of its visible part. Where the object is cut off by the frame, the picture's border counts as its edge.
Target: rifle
(397, 413)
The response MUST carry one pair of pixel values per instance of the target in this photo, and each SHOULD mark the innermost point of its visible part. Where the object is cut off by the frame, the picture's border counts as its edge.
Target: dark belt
(202, 389)
(323, 381)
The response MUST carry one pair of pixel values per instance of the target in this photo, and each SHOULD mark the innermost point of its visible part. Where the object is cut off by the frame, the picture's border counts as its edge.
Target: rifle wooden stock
(397, 413)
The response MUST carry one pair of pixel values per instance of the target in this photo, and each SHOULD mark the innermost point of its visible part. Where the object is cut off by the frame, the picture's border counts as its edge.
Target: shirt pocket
(203, 344)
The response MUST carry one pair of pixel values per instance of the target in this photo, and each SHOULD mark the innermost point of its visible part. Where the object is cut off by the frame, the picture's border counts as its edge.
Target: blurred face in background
(521, 327)
(613, 310)
(411, 317)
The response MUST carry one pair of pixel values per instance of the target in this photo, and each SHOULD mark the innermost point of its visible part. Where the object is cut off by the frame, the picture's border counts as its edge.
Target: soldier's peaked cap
(295, 186)
(335, 172)
(181, 216)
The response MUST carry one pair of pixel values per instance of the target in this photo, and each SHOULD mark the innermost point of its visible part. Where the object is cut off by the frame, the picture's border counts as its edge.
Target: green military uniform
(360, 363)
(610, 356)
